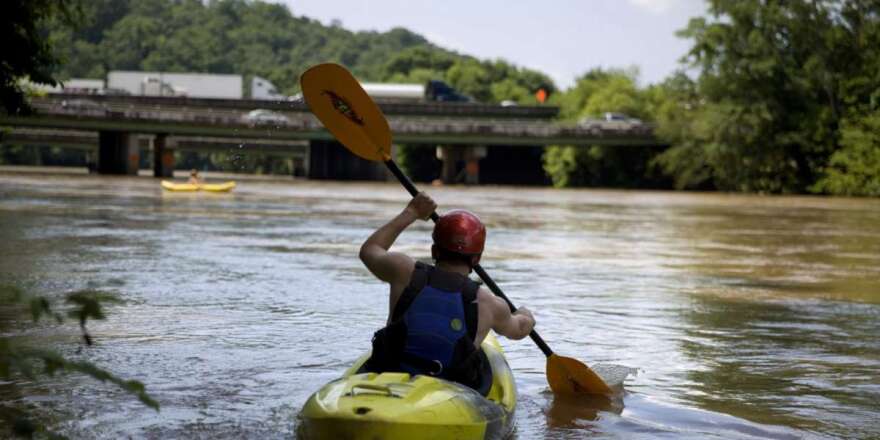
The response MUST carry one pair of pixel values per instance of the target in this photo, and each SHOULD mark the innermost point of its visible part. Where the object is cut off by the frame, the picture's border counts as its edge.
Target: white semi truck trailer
(433, 90)
(404, 92)
(224, 86)
(194, 85)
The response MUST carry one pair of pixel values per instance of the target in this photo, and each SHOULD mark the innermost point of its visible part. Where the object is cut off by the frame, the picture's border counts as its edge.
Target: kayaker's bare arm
(395, 267)
(516, 325)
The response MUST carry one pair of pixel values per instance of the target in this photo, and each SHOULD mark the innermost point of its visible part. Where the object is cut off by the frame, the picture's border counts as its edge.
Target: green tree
(674, 106)
(471, 78)
(130, 41)
(596, 92)
(418, 58)
(77, 46)
(776, 80)
(222, 36)
(485, 81)
(562, 165)
(855, 168)
(27, 52)
(503, 81)
(599, 91)
(511, 89)
(266, 39)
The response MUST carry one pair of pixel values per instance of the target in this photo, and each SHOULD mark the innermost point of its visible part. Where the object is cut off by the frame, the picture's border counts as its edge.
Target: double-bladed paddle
(345, 109)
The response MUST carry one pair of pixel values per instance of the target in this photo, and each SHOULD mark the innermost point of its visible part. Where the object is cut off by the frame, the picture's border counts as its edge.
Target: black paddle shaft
(404, 180)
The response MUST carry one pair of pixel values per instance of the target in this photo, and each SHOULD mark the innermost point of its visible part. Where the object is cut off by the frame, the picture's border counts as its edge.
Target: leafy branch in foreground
(27, 50)
(20, 360)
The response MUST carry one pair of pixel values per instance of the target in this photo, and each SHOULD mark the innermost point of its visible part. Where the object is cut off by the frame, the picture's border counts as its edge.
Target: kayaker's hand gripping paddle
(345, 109)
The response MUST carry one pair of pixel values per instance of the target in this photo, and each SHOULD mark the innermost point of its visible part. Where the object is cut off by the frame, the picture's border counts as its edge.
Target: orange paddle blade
(569, 376)
(348, 113)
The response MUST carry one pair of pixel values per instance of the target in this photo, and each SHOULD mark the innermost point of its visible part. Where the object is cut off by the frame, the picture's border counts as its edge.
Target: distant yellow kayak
(213, 187)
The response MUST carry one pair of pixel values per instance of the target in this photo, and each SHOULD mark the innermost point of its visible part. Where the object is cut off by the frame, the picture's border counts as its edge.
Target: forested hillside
(265, 39)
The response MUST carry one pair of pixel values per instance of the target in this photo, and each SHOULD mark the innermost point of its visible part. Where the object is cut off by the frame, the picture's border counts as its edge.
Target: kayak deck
(189, 187)
(399, 406)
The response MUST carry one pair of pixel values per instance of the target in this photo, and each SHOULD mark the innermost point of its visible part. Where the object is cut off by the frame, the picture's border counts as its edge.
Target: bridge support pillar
(461, 164)
(330, 160)
(163, 158)
(118, 153)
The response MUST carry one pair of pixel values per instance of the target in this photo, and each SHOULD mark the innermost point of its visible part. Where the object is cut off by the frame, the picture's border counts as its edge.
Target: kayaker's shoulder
(484, 294)
(402, 265)
(487, 299)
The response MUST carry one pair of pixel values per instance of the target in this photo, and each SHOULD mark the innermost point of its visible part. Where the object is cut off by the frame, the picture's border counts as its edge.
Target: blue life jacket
(435, 322)
(432, 329)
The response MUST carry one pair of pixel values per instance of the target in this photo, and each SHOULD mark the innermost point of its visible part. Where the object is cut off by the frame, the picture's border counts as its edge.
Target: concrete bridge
(463, 133)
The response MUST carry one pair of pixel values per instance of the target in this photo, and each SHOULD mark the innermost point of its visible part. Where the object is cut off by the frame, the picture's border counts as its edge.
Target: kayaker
(438, 316)
(194, 177)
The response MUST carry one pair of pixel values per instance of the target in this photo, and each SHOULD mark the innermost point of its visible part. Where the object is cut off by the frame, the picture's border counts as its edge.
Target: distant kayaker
(438, 316)
(194, 177)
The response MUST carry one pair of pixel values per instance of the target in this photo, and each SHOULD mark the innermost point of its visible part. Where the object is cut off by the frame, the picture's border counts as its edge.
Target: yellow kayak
(213, 187)
(392, 406)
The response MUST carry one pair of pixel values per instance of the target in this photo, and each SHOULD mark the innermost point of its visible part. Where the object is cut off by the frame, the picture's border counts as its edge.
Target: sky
(562, 38)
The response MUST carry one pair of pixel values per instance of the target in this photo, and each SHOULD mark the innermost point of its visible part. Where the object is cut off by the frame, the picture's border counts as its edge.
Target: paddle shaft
(404, 180)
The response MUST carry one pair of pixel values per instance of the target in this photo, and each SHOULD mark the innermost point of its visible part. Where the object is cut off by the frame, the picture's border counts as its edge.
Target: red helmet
(461, 232)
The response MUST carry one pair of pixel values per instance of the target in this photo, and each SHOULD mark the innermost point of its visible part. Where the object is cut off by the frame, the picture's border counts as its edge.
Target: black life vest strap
(448, 281)
(417, 282)
(429, 366)
(471, 308)
(468, 369)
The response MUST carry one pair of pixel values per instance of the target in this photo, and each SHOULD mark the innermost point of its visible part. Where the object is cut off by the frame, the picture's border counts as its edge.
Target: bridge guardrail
(184, 119)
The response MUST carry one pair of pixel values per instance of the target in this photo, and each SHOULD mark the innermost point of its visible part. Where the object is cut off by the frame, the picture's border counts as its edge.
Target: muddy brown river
(737, 316)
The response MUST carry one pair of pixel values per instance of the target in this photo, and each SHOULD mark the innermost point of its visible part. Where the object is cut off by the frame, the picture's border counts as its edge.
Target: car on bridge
(611, 120)
(83, 107)
(612, 116)
(263, 116)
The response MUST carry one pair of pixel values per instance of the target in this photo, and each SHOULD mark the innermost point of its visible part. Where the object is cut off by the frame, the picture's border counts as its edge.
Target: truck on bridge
(195, 85)
(434, 90)
(226, 86)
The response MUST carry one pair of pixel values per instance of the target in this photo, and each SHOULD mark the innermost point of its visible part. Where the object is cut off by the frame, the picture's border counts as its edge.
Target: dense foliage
(26, 52)
(485, 81)
(231, 36)
(778, 81)
(854, 169)
(265, 39)
(596, 92)
(786, 100)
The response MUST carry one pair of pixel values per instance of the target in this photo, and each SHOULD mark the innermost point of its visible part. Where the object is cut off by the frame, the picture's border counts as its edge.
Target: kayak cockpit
(395, 405)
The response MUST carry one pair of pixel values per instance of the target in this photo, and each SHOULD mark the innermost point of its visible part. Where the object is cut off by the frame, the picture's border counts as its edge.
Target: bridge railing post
(118, 153)
(163, 157)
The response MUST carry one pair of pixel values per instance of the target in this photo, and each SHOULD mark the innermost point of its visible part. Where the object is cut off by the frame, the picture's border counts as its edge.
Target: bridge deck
(195, 117)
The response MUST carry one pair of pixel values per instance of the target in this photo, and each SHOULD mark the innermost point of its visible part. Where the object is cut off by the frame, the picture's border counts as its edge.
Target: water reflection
(566, 412)
(786, 362)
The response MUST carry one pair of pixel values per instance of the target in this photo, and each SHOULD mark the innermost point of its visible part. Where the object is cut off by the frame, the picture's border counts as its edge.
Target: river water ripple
(740, 316)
